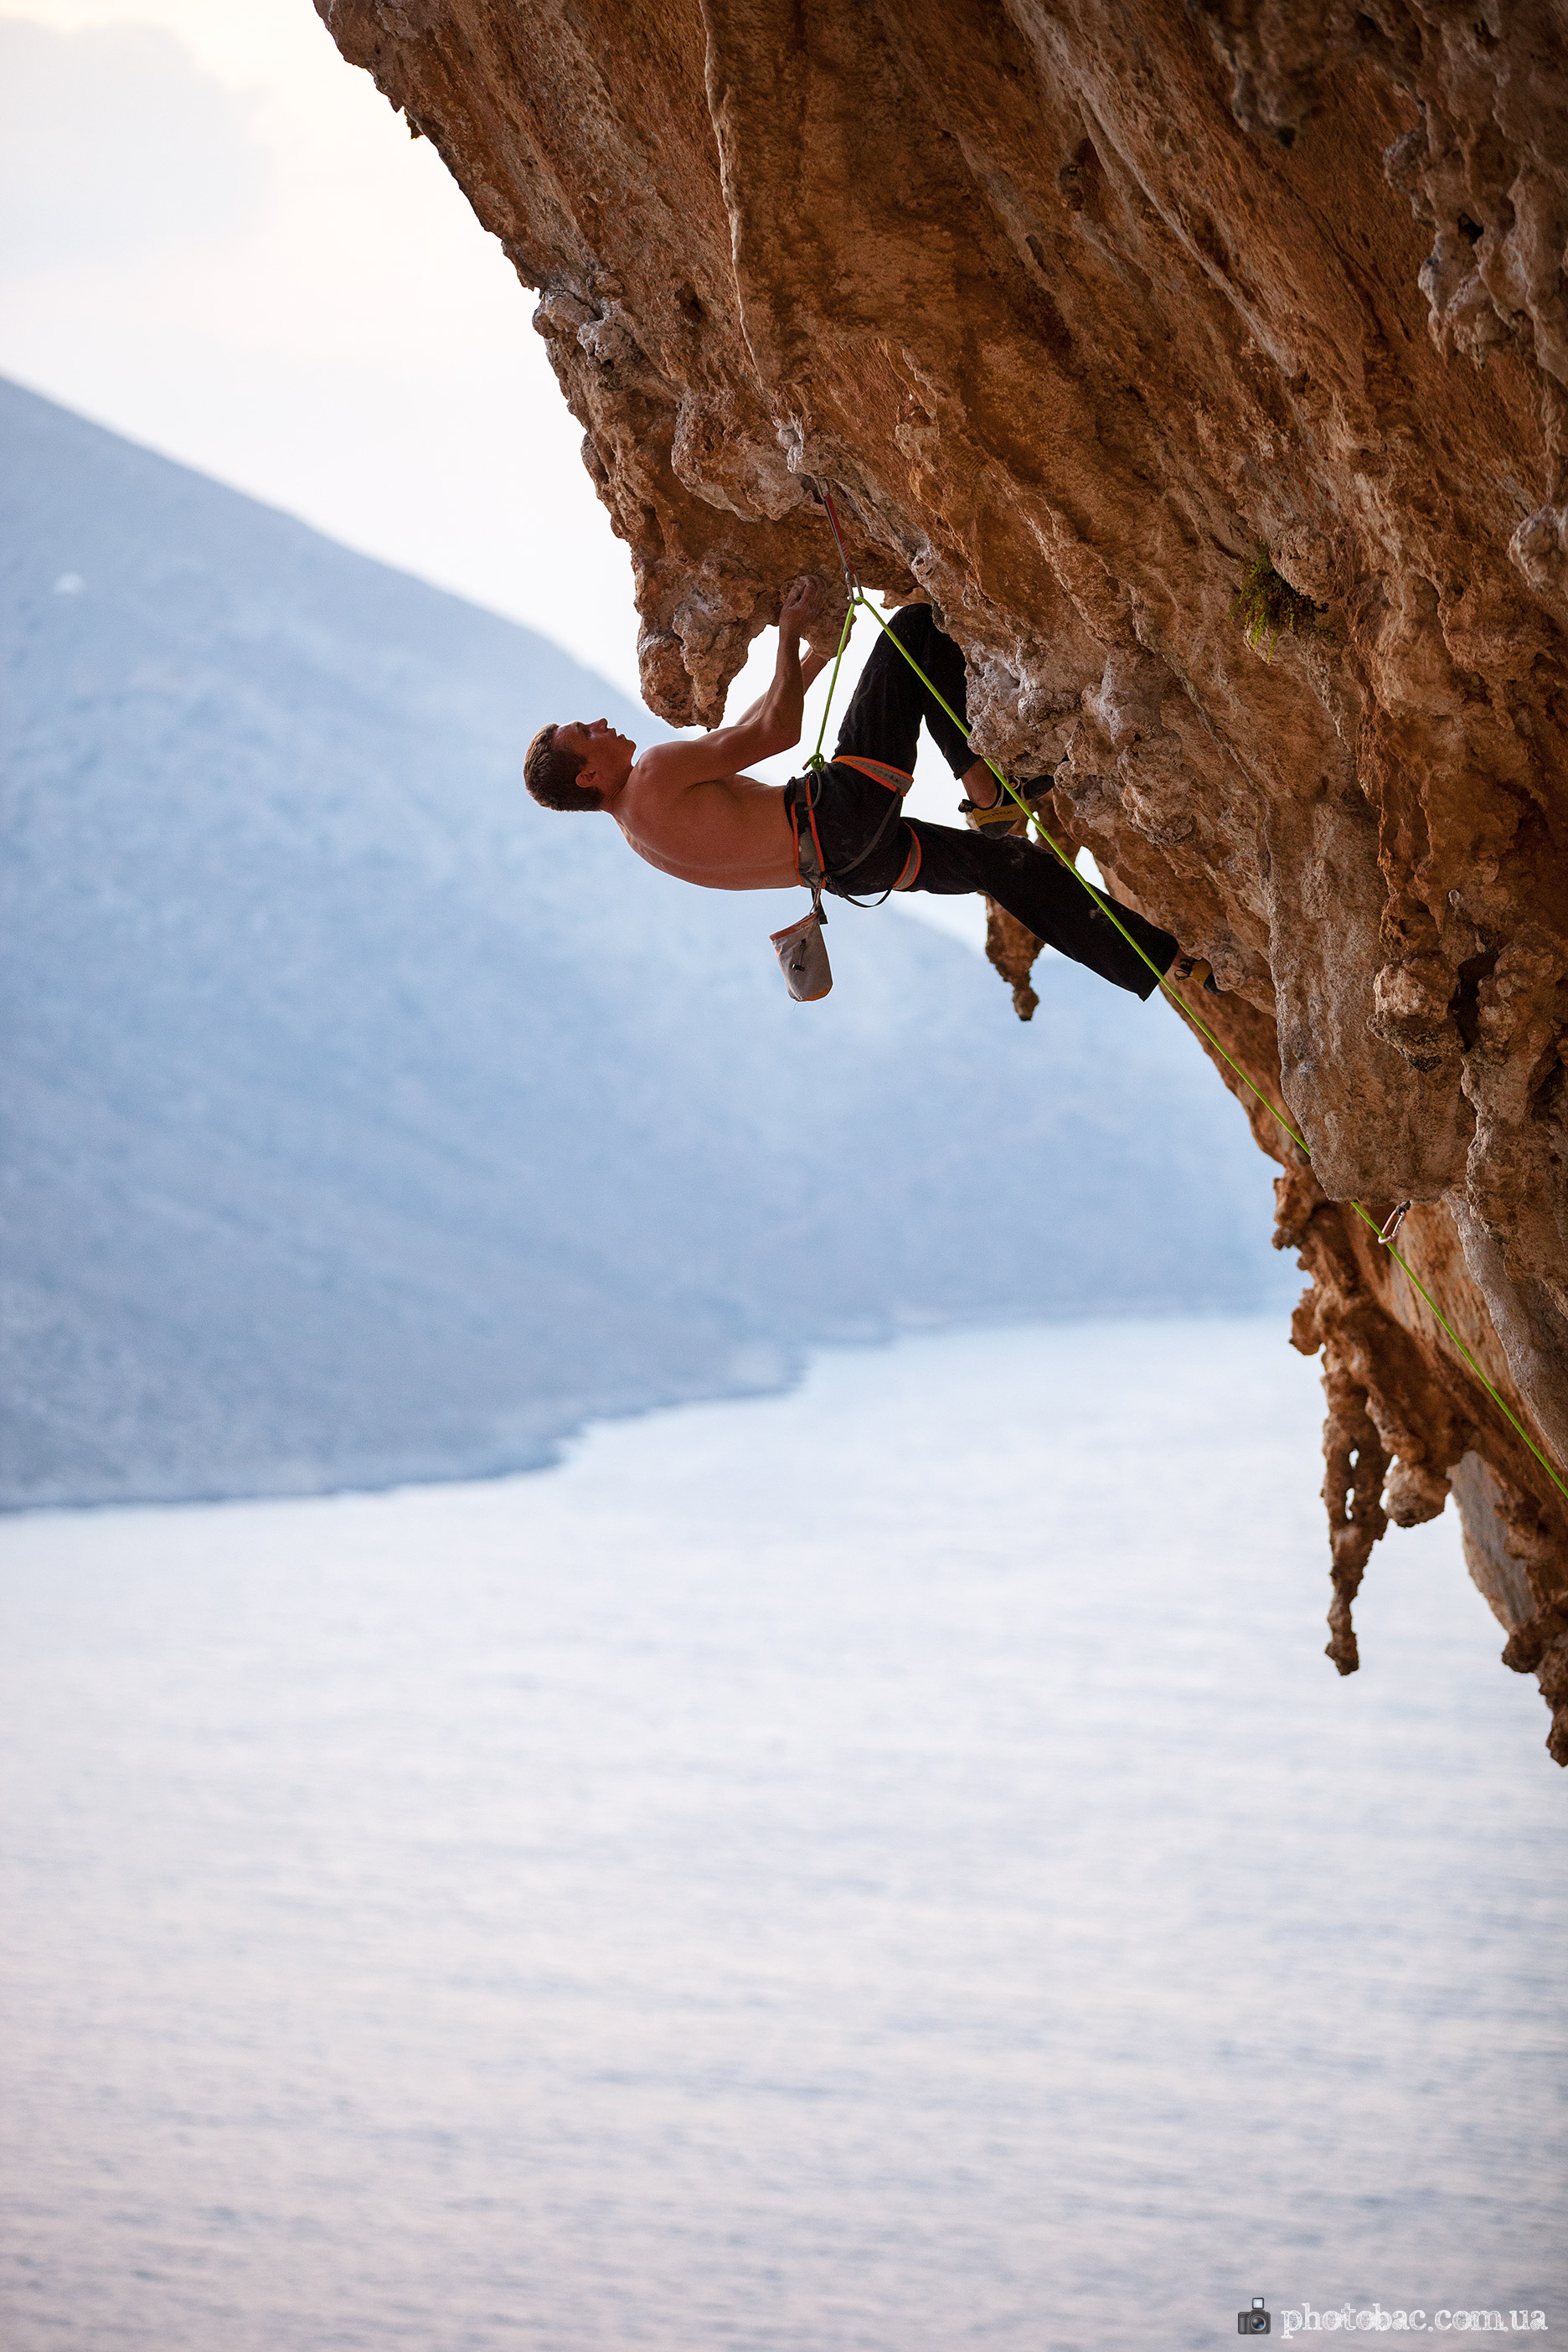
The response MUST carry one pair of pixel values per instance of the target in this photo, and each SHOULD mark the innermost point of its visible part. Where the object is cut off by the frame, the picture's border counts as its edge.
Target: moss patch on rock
(1269, 608)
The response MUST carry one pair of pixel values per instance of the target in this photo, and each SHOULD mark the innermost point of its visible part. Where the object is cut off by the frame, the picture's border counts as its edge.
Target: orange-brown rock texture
(1080, 310)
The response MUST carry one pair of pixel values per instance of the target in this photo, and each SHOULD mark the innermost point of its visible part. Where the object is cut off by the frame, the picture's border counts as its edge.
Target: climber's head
(581, 765)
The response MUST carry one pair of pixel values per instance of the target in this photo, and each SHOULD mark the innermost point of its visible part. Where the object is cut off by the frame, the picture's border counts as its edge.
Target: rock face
(1115, 331)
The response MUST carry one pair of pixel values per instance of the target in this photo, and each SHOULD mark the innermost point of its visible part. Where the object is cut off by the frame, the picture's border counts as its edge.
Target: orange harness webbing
(816, 842)
(893, 780)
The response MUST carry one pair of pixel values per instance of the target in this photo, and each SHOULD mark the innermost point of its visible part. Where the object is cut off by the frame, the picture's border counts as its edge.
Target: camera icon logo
(1256, 2322)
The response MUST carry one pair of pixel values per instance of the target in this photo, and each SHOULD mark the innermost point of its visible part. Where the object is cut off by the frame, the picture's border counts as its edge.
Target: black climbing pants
(883, 723)
(883, 719)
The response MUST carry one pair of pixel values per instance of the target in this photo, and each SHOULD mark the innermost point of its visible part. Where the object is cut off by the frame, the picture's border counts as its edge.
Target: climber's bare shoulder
(690, 809)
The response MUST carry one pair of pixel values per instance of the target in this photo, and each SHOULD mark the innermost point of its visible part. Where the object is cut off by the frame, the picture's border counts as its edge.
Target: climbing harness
(1384, 1234)
(894, 779)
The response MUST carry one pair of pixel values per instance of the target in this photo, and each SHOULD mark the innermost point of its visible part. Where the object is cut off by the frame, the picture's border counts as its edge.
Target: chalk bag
(801, 952)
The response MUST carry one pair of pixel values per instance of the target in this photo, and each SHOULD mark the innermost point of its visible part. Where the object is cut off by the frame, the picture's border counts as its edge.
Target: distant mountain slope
(363, 1122)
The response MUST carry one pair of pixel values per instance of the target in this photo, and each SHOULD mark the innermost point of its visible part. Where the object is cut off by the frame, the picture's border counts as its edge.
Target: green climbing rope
(857, 598)
(816, 760)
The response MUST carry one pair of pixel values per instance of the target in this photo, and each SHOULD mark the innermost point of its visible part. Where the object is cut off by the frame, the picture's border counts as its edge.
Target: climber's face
(606, 756)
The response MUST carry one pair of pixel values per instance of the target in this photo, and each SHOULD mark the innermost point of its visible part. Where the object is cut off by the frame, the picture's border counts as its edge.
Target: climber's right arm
(772, 724)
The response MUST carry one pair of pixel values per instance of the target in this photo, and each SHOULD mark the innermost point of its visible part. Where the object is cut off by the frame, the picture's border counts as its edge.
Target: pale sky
(216, 237)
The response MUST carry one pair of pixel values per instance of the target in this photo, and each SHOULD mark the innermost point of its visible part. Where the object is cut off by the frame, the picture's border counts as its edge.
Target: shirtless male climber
(689, 808)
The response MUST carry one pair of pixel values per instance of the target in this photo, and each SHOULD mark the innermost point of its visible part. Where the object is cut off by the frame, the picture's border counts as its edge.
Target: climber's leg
(1033, 885)
(883, 720)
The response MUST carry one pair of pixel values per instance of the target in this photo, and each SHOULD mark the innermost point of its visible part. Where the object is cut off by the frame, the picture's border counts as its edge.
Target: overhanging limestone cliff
(1080, 308)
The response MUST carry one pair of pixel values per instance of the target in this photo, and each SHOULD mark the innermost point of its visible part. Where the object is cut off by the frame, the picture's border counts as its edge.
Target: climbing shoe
(1005, 810)
(1194, 967)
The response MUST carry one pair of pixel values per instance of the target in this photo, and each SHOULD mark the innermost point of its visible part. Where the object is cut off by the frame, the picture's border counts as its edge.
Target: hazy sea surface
(884, 1869)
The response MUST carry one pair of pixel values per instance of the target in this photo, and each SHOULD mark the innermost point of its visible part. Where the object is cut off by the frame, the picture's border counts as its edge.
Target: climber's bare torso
(725, 833)
(689, 807)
